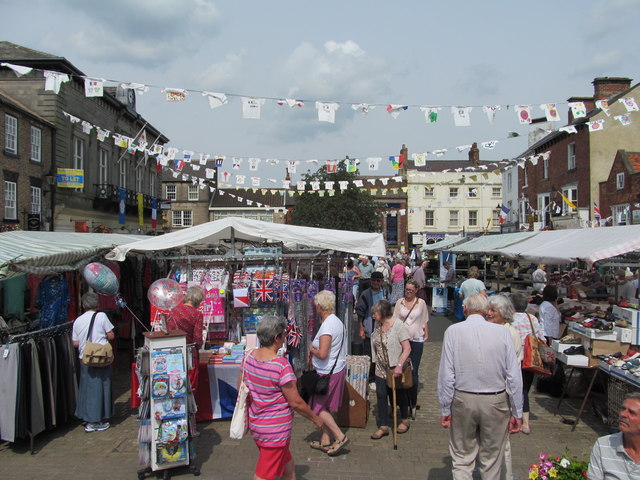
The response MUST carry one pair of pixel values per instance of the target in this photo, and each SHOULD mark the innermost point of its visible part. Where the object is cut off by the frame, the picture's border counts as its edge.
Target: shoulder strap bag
(534, 359)
(240, 419)
(96, 354)
(403, 381)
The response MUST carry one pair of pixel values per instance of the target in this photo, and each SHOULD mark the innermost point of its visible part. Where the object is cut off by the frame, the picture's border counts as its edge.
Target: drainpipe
(52, 173)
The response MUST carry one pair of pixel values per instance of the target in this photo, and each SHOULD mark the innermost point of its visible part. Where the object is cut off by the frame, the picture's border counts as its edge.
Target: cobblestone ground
(422, 453)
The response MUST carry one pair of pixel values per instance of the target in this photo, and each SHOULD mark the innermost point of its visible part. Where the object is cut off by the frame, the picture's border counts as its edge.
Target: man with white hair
(478, 361)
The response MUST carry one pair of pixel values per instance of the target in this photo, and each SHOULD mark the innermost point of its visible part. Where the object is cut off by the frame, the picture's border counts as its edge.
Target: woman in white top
(329, 348)
(501, 311)
(414, 313)
(549, 313)
(95, 402)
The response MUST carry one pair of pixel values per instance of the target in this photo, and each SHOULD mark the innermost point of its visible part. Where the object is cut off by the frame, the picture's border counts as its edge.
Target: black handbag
(312, 383)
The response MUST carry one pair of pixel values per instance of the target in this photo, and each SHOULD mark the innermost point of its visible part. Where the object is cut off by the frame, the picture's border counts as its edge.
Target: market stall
(41, 287)
(248, 269)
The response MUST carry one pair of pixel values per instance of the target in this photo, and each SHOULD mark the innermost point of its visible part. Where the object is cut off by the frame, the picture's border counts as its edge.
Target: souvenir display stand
(164, 438)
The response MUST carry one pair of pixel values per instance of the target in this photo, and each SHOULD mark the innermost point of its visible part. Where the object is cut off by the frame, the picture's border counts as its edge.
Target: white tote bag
(240, 420)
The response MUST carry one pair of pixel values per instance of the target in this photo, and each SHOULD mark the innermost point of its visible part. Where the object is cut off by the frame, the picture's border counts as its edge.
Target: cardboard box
(591, 333)
(560, 347)
(204, 356)
(631, 315)
(573, 360)
(354, 410)
(624, 334)
(604, 347)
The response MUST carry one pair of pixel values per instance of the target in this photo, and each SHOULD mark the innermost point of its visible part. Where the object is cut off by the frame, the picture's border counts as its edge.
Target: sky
(412, 52)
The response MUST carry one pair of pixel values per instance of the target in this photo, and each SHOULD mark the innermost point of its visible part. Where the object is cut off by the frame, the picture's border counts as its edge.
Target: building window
(545, 168)
(473, 218)
(11, 134)
(36, 200)
(103, 166)
(495, 218)
(453, 191)
(182, 218)
(152, 183)
(453, 218)
(496, 192)
(10, 196)
(620, 214)
(193, 193)
(171, 192)
(572, 195)
(620, 181)
(509, 181)
(473, 192)
(429, 218)
(428, 192)
(524, 209)
(571, 156)
(36, 144)
(78, 153)
(122, 173)
(139, 181)
(525, 181)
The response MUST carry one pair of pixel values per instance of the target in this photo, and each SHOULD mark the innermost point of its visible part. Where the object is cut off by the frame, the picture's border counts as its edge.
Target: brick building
(578, 162)
(620, 193)
(108, 170)
(25, 165)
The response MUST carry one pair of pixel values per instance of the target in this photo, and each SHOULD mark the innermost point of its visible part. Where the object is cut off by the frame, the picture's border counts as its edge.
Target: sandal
(337, 446)
(316, 445)
(380, 433)
(405, 429)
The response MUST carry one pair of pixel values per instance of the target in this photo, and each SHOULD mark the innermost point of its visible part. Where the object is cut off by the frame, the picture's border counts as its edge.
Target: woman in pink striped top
(273, 398)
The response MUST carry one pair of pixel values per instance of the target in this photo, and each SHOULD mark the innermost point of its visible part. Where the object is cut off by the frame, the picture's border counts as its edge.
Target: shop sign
(70, 178)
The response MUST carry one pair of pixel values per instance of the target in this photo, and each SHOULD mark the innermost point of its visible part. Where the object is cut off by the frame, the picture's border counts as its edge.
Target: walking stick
(395, 414)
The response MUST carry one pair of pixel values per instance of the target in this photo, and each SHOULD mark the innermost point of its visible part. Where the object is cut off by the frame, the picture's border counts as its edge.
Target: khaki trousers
(479, 432)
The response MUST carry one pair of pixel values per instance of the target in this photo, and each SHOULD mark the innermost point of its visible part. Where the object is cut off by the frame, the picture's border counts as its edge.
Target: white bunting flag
(604, 106)
(344, 184)
(491, 110)
(210, 172)
(489, 145)
(293, 164)
(419, 159)
(93, 87)
(629, 103)
(315, 186)
(373, 163)
(395, 110)
(251, 107)
(253, 164)
(461, 116)
(568, 129)
(301, 185)
(578, 109)
(255, 181)
(327, 111)
(175, 94)
(291, 102)
(215, 99)
(524, 114)
(551, 112)
(596, 125)
(430, 114)
(624, 119)
(19, 70)
(363, 107)
(236, 162)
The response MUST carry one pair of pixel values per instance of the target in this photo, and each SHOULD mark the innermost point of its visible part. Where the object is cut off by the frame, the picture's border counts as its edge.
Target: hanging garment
(53, 300)
(9, 365)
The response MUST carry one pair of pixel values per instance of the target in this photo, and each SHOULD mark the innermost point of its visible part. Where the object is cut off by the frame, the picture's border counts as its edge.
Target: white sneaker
(96, 427)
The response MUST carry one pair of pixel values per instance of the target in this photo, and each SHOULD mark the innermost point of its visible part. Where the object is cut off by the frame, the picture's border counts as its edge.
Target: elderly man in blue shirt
(480, 391)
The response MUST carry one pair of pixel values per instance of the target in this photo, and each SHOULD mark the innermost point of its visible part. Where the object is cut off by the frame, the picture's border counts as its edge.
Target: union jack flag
(294, 335)
(284, 287)
(263, 290)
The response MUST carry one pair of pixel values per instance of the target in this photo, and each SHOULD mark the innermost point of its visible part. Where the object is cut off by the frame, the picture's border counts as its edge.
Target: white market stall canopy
(444, 244)
(214, 233)
(491, 244)
(25, 250)
(566, 246)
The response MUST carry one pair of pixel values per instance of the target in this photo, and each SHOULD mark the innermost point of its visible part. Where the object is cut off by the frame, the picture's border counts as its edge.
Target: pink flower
(542, 457)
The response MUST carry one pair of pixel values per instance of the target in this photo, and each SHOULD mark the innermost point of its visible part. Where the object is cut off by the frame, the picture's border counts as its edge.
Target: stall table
(579, 410)
(217, 390)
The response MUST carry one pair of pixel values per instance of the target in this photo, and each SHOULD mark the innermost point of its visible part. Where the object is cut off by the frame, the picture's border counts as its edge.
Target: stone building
(620, 192)
(25, 164)
(115, 179)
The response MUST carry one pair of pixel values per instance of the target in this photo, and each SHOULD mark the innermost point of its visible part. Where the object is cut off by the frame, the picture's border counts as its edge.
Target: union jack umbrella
(294, 335)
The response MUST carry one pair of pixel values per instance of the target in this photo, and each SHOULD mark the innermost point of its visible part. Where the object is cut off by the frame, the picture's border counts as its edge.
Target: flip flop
(316, 445)
(378, 436)
(336, 448)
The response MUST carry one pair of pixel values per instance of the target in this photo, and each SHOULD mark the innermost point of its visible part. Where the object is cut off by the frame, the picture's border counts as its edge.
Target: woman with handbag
(95, 403)
(525, 324)
(274, 396)
(391, 350)
(414, 313)
(329, 358)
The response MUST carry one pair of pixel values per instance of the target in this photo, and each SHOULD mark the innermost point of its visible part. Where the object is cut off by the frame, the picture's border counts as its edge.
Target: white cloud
(223, 76)
(611, 17)
(602, 64)
(148, 32)
(338, 72)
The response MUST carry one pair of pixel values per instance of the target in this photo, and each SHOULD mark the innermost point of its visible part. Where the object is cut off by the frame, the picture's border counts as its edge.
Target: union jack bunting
(264, 290)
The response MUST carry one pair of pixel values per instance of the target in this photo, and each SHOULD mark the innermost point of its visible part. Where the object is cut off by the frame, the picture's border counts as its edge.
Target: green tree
(352, 209)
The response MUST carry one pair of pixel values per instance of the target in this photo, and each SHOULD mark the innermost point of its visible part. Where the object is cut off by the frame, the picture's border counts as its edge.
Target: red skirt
(271, 461)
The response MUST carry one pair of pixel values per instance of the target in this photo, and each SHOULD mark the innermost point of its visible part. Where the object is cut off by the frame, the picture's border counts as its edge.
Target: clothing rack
(41, 332)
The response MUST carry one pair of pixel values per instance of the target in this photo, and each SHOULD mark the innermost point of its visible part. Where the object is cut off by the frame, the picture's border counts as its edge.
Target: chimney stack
(607, 87)
(474, 155)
